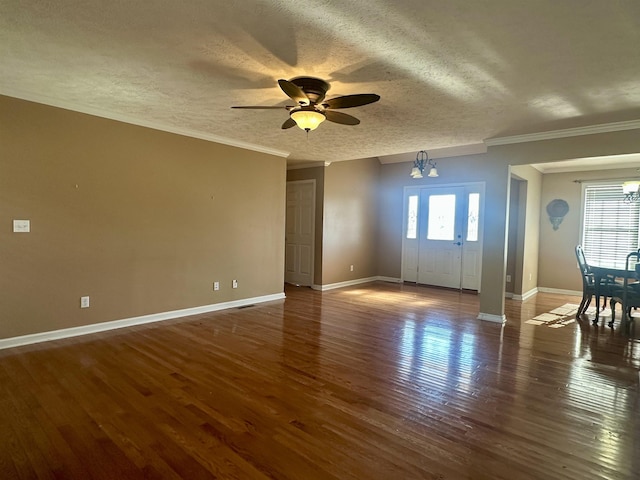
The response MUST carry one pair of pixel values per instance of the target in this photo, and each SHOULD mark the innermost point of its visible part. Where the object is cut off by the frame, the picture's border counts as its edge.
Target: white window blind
(610, 226)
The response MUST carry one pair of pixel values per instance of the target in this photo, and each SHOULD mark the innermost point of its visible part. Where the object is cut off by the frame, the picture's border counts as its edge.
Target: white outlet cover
(21, 226)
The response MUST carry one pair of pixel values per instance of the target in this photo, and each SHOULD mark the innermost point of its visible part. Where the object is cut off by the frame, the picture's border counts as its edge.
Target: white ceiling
(450, 74)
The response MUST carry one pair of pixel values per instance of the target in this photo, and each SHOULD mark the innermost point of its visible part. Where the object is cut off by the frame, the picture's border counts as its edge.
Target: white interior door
(442, 237)
(300, 223)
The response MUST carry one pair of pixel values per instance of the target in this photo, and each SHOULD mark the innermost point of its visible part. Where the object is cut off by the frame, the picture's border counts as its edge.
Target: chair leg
(584, 304)
(612, 304)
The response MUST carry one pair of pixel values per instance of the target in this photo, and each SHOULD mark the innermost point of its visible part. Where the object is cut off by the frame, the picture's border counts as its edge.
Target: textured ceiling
(449, 73)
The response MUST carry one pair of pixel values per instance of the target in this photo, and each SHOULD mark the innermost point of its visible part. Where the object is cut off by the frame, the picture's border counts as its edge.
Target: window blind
(610, 226)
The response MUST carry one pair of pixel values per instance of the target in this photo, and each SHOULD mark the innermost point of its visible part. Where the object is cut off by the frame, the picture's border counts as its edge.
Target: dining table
(610, 270)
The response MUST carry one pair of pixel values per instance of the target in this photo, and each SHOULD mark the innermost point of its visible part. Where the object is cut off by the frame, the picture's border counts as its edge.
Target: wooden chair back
(587, 276)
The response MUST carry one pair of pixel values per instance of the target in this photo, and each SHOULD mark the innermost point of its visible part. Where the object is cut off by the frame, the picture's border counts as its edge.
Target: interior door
(300, 222)
(442, 239)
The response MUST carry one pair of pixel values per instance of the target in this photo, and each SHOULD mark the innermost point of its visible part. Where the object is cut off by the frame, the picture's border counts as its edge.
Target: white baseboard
(348, 283)
(358, 281)
(560, 291)
(128, 322)
(390, 279)
(531, 293)
(525, 295)
(489, 317)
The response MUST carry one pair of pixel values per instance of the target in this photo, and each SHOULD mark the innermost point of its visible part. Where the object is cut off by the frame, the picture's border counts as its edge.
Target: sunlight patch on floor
(560, 316)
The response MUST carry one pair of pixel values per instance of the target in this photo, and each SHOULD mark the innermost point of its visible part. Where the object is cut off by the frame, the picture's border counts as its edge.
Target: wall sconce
(420, 165)
(631, 191)
(557, 209)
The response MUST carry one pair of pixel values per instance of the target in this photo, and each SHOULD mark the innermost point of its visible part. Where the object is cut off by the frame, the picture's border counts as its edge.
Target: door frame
(405, 192)
(312, 260)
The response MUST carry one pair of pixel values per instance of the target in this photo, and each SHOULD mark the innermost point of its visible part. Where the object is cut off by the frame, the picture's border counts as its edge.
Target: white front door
(299, 234)
(442, 242)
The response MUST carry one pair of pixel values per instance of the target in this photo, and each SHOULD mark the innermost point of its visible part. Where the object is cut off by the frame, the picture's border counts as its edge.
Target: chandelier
(421, 163)
(631, 191)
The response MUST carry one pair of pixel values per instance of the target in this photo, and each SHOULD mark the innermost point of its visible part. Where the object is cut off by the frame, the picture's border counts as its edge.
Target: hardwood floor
(380, 381)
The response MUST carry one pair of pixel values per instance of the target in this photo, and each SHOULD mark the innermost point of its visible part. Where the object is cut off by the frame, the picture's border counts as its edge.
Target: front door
(299, 234)
(442, 243)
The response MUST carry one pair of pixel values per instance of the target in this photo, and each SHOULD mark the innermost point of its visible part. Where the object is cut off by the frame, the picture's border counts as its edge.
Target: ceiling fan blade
(349, 101)
(294, 92)
(265, 107)
(342, 118)
(290, 122)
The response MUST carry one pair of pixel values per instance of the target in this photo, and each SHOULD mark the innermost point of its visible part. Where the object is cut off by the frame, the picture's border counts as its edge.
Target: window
(442, 216)
(610, 227)
(472, 217)
(412, 217)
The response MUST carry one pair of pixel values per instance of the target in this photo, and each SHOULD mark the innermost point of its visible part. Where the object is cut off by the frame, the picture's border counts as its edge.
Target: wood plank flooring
(381, 381)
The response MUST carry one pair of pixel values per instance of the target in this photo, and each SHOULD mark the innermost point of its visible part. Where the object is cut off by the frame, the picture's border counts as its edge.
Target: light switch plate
(84, 302)
(21, 226)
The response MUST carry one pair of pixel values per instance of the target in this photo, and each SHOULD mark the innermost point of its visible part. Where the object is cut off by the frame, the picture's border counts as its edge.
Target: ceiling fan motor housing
(314, 88)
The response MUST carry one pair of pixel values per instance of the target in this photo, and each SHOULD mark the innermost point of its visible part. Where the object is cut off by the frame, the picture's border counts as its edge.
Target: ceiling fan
(311, 109)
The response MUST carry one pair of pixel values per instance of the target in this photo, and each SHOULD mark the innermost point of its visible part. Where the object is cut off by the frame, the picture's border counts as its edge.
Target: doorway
(300, 230)
(442, 237)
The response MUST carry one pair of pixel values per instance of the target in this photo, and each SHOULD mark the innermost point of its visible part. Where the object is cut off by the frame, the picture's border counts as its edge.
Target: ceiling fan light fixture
(311, 109)
(307, 120)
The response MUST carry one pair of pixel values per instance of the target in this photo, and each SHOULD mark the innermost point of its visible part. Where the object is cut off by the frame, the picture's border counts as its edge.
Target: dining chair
(627, 294)
(589, 284)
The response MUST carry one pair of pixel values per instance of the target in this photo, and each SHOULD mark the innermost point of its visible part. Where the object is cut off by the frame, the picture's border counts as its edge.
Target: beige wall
(497, 161)
(514, 240)
(528, 228)
(139, 220)
(558, 265)
(350, 220)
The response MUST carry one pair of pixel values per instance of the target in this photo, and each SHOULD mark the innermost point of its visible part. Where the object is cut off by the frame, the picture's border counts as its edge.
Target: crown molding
(185, 132)
(569, 132)
(301, 165)
(442, 152)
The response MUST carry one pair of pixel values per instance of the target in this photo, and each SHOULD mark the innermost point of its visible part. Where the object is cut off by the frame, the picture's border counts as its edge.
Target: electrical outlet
(508, 278)
(351, 268)
(216, 286)
(234, 284)
(84, 302)
(21, 226)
